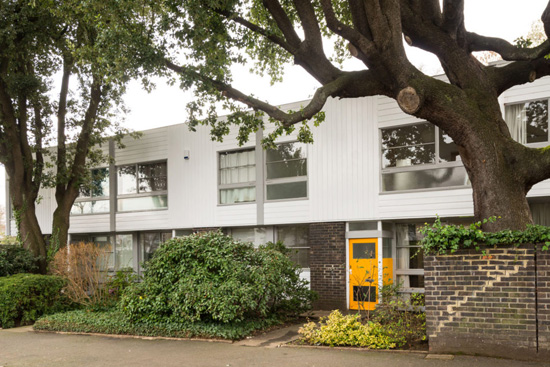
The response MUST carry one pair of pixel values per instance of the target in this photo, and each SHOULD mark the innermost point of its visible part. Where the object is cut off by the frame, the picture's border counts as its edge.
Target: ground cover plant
(26, 297)
(397, 322)
(204, 285)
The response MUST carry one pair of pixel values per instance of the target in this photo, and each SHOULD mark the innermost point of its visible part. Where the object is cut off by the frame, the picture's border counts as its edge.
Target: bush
(84, 266)
(26, 297)
(115, 322)
(339, 330)
(14, 259)
(401, 317)
(210, 277)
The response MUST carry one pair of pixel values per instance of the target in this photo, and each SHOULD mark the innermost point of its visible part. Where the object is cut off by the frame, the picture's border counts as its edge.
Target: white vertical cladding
(151, 146)
(44, 209)
(342, 160)
(194, 194)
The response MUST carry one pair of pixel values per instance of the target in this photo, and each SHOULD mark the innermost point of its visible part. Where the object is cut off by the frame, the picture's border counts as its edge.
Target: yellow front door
(363, 273)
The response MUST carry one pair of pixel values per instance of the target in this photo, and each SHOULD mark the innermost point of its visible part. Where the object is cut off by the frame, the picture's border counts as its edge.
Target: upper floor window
(420, 156)
(94, 195)
(237, 172)
(142, 186)
(286, 171)
(528, 121)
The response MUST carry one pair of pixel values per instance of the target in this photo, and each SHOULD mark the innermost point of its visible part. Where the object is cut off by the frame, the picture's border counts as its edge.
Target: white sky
(166, 105)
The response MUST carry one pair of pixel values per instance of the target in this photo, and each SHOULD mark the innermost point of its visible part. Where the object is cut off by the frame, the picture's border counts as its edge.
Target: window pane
(289, 190)
(448, 150)
(408, 156)
(242, 195)
(286, 151)
(183, 232)
(293, 236)
(127, 180)
(149, 243)
(143, 203)
(152, 177)
(287, 169)
(528, 122)
(410, 258)
(411, 281)
(433, 178)
(151, 184)
(387, 248)
(152, 170)
(364, 250)
(300, 256)
(364, 293)
(237, 167)
(100, 182)
(255, 235)
(405, 136)
(90, 207)
(363, 226)
(123, 251)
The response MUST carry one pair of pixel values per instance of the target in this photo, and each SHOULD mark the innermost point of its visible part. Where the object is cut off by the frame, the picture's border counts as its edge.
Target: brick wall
(486, 304)
(543, 301)
(328, 264)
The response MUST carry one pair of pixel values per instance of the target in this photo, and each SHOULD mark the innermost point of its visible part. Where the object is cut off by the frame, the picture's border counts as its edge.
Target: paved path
(23, 347)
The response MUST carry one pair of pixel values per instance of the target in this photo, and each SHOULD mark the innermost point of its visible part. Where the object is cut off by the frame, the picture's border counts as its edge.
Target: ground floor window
(149, 242)
(410, 257)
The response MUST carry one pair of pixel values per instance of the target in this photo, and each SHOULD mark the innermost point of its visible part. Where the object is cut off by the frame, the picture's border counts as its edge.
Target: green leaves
(441, 239)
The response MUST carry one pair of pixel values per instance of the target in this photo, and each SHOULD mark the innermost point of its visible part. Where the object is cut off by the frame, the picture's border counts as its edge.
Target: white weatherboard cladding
(95, 223)
(151, 146)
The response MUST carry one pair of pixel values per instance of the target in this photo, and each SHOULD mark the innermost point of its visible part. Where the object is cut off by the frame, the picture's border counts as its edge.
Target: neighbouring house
(350, 204)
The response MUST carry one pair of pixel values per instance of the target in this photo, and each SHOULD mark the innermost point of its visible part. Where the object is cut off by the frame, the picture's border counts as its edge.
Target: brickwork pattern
(327, 253)
(543, 300)
(486, 304)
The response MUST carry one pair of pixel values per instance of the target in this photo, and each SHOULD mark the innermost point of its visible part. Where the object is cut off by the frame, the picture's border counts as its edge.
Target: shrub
(210, 277)
(26, 297)
(115, 322)
(14, 259)
(84, 266)
(339, 330)
(401, 317)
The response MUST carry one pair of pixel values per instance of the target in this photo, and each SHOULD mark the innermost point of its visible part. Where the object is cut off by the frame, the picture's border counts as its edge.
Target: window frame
(275, 181)
(437, 164)
(139, 194)
(307, 247)
(240, 185)
(541, 144)
(93, 198)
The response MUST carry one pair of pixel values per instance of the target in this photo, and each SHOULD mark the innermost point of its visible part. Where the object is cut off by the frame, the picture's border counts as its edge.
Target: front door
(363, 273)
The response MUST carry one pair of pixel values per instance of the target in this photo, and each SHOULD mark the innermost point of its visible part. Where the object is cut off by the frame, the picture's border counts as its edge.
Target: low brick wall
(489, 305)
(327, 253)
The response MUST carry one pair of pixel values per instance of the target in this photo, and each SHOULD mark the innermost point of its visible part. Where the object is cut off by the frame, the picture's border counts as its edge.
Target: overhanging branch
(505, 49)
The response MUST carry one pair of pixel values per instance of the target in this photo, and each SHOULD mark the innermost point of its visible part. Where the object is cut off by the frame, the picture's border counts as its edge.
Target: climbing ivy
(442, 238)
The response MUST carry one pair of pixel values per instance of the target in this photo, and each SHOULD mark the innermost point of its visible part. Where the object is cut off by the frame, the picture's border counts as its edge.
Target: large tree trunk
(60, 227)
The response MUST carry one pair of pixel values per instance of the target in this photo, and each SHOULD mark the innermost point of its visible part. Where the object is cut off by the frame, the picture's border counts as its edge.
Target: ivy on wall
(442, 238)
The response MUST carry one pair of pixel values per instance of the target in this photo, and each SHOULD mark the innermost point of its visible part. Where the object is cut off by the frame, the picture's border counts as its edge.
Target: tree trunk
(31, 235)
(60, 227)
(499, 189)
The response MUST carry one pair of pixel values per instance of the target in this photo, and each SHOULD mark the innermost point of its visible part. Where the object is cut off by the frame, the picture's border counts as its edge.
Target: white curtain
(403, 253)
(541, 213)
(517, 122)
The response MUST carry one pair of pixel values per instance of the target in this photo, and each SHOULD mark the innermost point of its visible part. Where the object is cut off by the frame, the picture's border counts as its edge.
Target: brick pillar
(327, 253)
(543, 301)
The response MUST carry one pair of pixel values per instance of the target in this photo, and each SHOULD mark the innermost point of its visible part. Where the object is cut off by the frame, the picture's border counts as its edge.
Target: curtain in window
(541, 213)
(516, 121)
(403, 253)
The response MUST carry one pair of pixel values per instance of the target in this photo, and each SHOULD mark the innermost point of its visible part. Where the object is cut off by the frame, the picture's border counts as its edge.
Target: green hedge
(114, 322)
(14, 259)
(26, 297)
(213, 278)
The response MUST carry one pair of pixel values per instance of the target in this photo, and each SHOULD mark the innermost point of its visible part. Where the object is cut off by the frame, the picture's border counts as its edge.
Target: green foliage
(26, 297)
(115, 322)
(210, 277)
(402, 317)
(118, 283)
(339, 330)
(15, 259)
(441, 239)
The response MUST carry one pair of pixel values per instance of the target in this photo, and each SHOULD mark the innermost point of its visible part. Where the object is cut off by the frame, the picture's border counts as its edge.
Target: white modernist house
(350, 204)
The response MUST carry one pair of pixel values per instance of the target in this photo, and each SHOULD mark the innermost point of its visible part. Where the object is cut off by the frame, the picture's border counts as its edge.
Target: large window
(142, 186)
(420, 156)
(528, 121)
(286, 172)
(296, 239)
(237, 182)
(94, 195)
(150, 241)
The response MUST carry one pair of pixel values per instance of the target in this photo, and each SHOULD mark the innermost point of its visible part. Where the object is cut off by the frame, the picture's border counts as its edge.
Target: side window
(528, 121)
(237, 177)
(94, 194)
(296, 238)
(286, 172)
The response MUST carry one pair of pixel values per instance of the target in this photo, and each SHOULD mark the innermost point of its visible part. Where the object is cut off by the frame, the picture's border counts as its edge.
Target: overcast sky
(166, 105)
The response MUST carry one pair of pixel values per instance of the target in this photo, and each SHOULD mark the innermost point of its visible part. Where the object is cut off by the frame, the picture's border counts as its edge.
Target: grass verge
(114, 322)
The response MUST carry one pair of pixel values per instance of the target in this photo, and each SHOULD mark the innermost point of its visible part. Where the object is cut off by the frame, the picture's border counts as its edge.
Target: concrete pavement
(23, 347)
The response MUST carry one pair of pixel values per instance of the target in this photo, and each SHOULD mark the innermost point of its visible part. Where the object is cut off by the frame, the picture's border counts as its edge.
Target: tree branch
(506, 49)
(453, 17)
(284, 24)
(519, 72)
(61, 125)
(340, 86)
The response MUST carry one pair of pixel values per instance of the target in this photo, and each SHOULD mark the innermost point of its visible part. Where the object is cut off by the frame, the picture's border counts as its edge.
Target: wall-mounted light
(186, 154)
